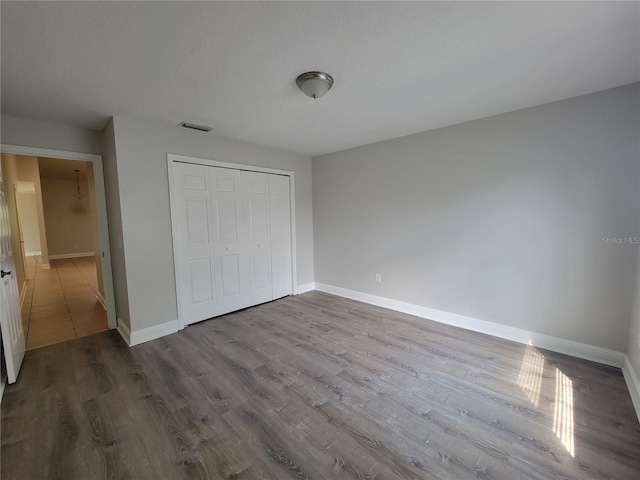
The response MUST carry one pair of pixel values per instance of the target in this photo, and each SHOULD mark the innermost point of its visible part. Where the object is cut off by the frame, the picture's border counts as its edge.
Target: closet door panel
(229, 248)
(200, 274)
(261, 271)
(230, 273)
(280, 216)
(195, 267)
(255, 200)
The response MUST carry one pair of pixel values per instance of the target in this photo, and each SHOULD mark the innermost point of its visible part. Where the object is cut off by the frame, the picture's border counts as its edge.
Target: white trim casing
(631, 377)
(45, 152)
(172, 157)
(101, 299)
(560, 345)
(72, 255)
(146, 334)
(124, 332)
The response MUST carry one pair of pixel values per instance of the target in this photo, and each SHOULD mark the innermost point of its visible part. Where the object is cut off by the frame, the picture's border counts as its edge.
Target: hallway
(60, 303)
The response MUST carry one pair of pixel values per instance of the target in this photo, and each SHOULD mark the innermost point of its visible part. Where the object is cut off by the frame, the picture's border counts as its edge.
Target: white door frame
(101, 206)
(174, 158)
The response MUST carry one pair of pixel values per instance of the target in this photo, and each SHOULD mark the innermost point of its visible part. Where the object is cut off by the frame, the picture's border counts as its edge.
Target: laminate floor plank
(310, 387)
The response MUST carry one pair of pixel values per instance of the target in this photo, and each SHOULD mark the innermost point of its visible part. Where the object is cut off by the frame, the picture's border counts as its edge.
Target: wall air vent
(195, 126)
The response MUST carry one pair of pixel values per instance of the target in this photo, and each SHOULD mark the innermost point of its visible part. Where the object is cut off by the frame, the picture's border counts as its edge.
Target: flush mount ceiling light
(314, 84)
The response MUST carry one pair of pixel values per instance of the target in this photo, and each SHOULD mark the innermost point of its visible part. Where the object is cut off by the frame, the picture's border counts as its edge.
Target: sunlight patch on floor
(563, 413)
(531, 372)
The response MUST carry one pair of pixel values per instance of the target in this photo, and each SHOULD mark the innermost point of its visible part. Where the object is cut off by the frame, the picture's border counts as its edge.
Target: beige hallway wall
(29, 171)
(67, 219)
(28, 213)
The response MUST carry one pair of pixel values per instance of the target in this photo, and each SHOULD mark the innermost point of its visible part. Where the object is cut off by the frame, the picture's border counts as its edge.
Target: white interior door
(255, 199)
(196, 284)
(10, 315)
(280, 221)
(228, 245)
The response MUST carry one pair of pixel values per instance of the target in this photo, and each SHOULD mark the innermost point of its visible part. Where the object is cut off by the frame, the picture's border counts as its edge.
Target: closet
(232, 239)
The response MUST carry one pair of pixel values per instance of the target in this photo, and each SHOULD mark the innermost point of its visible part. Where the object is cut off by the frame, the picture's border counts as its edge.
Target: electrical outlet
(378, 277)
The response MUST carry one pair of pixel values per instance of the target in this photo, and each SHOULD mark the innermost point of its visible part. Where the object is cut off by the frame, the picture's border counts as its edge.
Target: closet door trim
(174, 158)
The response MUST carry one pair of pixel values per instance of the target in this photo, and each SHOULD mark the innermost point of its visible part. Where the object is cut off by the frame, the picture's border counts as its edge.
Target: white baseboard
(124, 331)
(146, 334)
(72, 255)
(101, 299)
(560, 345)
(3, 384)
(631, 377)
(32, 254)
(46, 266)
(307, 287)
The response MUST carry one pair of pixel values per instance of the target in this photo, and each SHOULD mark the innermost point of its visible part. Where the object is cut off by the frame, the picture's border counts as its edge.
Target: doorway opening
(55, 234)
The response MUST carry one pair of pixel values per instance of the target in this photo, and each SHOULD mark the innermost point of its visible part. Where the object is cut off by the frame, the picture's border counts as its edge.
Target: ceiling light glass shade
(314, 84)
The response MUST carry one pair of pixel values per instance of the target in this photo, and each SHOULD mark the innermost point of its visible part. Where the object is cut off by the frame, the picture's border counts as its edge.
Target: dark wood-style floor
(316, 386)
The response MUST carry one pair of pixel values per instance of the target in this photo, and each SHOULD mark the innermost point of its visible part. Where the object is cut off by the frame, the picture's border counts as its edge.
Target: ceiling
(399, 67)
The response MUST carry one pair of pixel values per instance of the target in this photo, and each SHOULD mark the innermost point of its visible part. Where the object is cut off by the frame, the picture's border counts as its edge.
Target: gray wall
(141, 152)
(118, 266)
(500, 219)
(31, 133)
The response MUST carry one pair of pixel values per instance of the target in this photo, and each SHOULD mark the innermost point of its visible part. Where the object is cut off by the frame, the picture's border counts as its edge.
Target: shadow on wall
(79, 208)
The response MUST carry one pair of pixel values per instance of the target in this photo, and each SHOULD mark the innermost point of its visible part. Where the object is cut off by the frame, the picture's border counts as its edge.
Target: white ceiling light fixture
(314, 84)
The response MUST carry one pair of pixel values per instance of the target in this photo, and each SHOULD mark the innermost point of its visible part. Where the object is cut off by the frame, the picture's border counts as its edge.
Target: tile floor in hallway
(60, 303)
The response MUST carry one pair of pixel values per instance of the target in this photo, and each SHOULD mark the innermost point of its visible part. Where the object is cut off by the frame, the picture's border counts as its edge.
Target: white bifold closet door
(255, 201)
(280, 218)
(228, 246)
(233, 239)
(193, 242)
